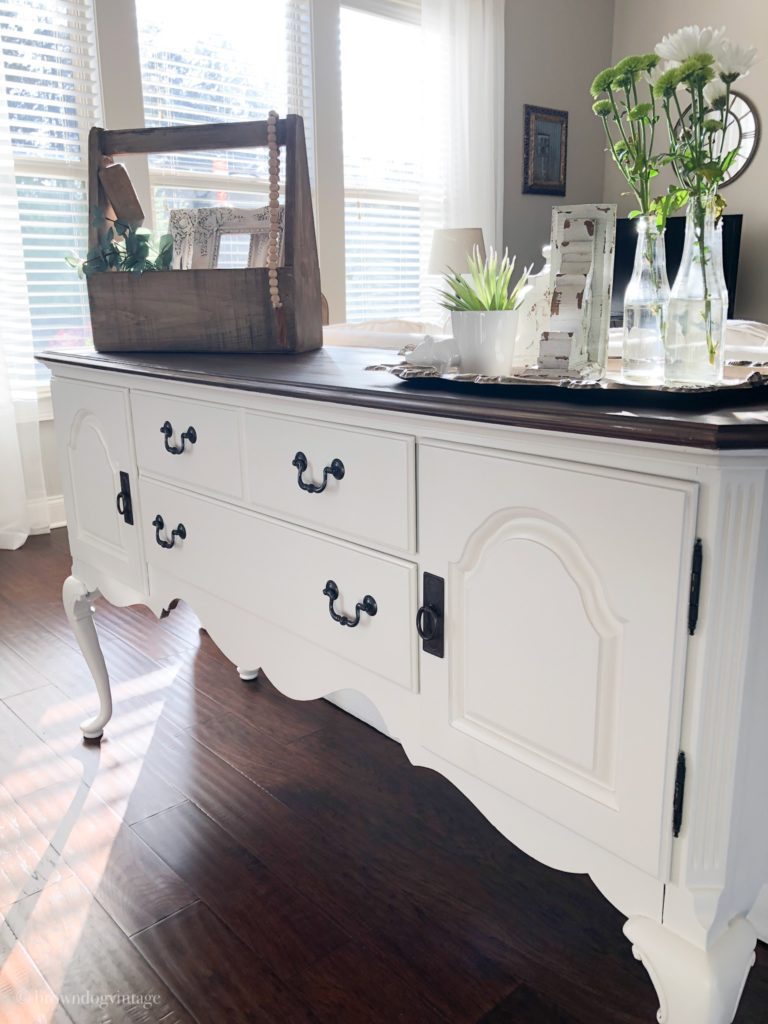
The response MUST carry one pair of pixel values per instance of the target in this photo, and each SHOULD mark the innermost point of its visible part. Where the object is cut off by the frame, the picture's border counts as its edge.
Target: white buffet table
(604, 712)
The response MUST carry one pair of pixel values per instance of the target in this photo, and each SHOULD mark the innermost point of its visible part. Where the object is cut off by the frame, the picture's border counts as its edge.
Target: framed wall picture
(545, 150)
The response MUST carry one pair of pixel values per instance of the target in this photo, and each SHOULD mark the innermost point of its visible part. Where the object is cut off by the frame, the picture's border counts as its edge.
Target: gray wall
(554, 48)
(637, 28)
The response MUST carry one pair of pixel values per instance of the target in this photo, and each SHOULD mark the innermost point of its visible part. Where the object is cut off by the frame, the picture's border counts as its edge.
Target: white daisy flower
(689, 42)
(714, 93)
(735, 60)
(655, 74)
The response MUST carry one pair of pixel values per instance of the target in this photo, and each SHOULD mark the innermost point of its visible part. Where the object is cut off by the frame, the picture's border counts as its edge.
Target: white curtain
(464, 127)
(23, 503)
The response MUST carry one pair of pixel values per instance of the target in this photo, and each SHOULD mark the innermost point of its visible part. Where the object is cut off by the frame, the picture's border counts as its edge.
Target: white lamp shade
(452, 247)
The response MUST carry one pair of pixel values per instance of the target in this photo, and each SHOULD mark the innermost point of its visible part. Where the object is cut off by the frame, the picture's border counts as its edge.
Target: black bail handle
(190, 434)
(367, 605)
(336, 470)
(180, 532)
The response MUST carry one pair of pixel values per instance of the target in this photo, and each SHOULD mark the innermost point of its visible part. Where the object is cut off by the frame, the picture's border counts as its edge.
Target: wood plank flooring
(229, 855)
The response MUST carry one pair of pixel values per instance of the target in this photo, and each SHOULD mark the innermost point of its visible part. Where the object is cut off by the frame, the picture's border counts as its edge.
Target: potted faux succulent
(484, 307)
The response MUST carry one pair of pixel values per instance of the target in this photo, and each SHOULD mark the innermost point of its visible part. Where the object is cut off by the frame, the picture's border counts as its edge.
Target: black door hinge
(430, 618)
(677, 804)
(693, 601)
(124, 503)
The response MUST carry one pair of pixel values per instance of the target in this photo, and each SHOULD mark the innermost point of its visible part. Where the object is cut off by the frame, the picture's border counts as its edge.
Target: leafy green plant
(489, 287)
(125, 247)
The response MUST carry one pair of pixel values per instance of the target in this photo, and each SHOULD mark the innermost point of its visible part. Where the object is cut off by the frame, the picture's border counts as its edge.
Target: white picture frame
(212, 223)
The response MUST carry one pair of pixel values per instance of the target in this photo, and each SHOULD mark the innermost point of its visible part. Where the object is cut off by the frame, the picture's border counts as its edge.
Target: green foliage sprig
(124, 247)
(489, 288)
(630, 122)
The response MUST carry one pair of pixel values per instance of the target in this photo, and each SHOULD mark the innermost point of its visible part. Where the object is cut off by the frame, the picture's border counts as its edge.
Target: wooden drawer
(211, 463)
(279, 572)
(373, 501)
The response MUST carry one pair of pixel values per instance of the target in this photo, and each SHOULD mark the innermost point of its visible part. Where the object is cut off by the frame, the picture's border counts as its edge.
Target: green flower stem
(630, 148)
(725, 112)
(616, 114)
(616, 160)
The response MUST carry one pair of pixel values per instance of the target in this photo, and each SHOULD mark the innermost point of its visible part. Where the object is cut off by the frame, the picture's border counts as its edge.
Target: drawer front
(279, 573)
(210, 459)
(356, 483)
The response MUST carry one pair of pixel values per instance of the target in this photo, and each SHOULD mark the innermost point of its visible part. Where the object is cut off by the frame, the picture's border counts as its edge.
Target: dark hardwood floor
(229, 855)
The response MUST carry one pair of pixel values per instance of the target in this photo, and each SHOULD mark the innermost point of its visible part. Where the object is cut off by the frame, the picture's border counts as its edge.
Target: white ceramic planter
(486, 340)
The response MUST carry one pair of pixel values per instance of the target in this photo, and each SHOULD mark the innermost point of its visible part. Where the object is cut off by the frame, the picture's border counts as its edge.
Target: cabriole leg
(694, 986)
(77, 604)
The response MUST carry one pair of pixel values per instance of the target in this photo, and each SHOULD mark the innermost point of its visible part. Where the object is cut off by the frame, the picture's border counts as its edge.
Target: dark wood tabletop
(725, 419)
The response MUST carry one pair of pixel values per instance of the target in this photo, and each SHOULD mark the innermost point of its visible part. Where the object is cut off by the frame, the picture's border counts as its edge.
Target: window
(194, 63)
(195, 68)
(50, 94)
(382, 174)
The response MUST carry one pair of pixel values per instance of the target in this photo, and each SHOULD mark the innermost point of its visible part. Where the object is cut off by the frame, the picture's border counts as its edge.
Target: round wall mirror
(742, 133)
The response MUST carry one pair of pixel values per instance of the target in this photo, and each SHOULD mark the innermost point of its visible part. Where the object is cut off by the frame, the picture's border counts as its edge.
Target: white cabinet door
(566, 600)
(93, 434)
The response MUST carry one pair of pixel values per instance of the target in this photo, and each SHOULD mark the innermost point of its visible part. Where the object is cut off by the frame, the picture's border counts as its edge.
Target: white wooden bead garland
(274, 208)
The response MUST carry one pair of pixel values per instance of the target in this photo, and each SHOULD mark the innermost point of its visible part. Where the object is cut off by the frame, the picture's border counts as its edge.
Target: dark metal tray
(743, 383)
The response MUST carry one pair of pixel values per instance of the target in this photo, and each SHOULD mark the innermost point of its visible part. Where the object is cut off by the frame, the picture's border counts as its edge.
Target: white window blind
(232, 61)
(50, 99)
(385, 226)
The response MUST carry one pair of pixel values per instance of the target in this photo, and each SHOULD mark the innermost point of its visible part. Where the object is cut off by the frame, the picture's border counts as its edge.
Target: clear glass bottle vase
(645, 306)
(698, 305)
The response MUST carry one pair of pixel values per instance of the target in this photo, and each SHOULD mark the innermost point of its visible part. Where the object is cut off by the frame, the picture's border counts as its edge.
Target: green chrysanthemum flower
(603, 108)
(699, 60)
(710, 125)
(648, 61)
(640, 111)
(697, 71)
(668, 83)
(629, 67)
(602, 82)
(624, 83)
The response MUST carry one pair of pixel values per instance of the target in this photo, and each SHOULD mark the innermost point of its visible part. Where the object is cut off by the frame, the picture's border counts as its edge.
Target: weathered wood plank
(179, 139)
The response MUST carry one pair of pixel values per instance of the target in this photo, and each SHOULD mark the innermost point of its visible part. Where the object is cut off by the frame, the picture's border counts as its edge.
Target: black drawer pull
(124, 503)
(427, 622)
(367, 605)
(180, 532)
(190, 434)
(336, 470)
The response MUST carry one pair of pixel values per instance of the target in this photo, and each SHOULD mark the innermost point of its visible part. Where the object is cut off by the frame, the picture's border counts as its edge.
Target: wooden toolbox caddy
(211, 310)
